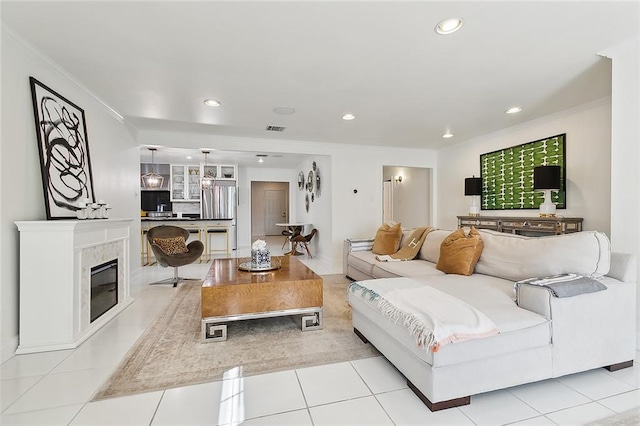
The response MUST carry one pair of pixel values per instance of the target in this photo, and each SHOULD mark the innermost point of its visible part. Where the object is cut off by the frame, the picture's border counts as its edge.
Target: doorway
(269, 205)
(407, 195)
(275, 202)
(387, 201)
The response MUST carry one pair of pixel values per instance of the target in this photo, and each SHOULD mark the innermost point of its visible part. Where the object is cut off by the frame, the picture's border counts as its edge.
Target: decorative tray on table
(251, 267)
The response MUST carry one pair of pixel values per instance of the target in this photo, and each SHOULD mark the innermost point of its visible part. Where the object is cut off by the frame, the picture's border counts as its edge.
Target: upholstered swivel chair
(303, 240)
(193, 250)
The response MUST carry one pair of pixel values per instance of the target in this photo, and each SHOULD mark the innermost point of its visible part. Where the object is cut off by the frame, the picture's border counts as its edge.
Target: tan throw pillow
(387, 239)
(174, 245)
(460, 252)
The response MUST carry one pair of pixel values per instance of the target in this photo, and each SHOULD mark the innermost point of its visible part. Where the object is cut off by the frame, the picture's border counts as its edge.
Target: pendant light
(208, 180)
(152, 180)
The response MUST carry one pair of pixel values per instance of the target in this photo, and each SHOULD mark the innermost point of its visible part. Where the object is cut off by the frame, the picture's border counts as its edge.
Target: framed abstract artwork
(507, 174)
(64, 151)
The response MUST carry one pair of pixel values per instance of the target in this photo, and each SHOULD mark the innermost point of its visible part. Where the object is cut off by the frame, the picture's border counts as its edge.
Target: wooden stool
(196, 231)
(215, 229)
(145, 249)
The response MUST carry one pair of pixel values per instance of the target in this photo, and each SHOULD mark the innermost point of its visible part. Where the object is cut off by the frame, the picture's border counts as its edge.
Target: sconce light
(152, 180)
(473, 188)
(397, 179)
(547, 179)
(207, 181)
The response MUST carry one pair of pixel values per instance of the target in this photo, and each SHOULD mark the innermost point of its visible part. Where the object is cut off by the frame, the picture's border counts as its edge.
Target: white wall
(625, 157)
(588, 153)
(114, 157)
(412, 196)
(319, 215)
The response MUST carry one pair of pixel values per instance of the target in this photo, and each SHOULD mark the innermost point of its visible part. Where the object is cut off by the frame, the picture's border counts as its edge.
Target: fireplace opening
(104, 288)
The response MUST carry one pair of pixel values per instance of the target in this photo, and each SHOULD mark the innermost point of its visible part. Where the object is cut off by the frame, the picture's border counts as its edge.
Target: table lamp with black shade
(473, 187)
(547, 179)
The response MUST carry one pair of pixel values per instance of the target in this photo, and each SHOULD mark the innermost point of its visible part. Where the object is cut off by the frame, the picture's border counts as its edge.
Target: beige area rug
(628, 418)
(171, 353)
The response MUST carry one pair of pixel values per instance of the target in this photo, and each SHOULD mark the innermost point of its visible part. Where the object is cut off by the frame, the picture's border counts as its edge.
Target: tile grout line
(372, 393)
(304, 397)
(525, 403)
(23, 393)
(42, 377)
(155, 412)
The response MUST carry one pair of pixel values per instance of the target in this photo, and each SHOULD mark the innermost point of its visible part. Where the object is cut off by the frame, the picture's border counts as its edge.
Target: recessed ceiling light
(212, 102)
(284, 110)
(189, 157)
(448, 26)
(513, 110)
(348, 117)
(447, 135)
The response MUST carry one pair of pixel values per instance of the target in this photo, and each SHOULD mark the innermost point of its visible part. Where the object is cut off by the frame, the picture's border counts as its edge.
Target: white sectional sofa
(540, 336)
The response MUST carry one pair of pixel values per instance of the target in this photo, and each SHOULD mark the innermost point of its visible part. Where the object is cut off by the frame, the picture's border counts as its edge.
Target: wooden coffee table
(230, 294)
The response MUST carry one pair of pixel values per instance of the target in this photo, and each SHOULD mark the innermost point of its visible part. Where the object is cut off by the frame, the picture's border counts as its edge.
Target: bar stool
(145, 248)
(144, 252)
(196, 232)
(215, 229)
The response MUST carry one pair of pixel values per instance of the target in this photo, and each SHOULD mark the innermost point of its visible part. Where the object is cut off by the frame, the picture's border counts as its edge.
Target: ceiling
(155, 62)
(272, 160)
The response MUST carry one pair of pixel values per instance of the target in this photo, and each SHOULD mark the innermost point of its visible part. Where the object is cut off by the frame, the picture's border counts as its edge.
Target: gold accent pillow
(387, 239)
(459, 252)
(173, 245)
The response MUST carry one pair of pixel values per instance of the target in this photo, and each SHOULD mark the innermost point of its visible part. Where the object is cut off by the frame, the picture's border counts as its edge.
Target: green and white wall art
(507, 174)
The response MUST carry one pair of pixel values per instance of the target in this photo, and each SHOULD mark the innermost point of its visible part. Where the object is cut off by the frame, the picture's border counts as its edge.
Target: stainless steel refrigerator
(220, 203)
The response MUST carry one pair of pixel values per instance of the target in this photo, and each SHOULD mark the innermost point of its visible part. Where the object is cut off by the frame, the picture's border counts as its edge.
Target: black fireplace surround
(104, 288)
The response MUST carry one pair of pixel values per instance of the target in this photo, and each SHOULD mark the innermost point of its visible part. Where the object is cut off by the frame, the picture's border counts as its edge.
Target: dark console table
(530, 226)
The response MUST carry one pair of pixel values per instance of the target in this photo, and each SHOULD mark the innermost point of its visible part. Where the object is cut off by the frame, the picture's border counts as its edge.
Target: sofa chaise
(539, 336)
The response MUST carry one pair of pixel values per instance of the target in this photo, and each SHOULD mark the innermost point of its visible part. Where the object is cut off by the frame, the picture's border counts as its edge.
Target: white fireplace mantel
(56, 258)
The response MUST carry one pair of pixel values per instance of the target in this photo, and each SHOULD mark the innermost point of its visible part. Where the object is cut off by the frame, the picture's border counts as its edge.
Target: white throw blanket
(431, 316)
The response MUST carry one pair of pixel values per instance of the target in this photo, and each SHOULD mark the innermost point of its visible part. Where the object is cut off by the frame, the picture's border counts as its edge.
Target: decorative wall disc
(310, 181)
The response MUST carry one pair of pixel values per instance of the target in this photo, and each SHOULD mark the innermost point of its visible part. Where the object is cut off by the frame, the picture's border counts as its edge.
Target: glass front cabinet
(185, 179)
(228, 172)
(185, 182)
(221, 171)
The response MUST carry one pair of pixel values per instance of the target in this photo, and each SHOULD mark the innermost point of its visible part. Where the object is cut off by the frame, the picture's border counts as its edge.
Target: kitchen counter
(218, 235)
(181, 219)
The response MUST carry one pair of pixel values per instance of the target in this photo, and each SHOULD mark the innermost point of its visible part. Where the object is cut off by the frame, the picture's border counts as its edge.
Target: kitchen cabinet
(185, 182)
(228, 172)
(221, 171)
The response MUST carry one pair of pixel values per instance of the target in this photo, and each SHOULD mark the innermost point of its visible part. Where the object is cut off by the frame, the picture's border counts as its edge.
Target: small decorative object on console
(260, 256)
(88, 210)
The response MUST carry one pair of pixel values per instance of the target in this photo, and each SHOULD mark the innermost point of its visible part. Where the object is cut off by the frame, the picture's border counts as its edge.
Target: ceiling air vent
(276, 128)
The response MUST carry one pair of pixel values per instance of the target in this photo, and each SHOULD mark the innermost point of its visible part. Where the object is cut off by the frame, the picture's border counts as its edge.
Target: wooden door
(275, 202)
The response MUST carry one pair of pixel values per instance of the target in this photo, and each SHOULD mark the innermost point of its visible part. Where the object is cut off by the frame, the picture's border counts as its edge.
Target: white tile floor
(56, 387)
